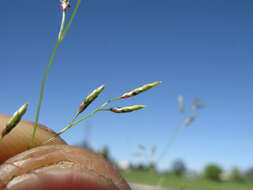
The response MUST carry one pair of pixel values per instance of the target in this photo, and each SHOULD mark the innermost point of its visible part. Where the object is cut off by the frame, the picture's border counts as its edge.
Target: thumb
(17, 140)
(51, 167)
(59, 167)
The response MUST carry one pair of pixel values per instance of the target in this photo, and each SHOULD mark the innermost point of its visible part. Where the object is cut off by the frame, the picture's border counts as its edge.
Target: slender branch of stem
(70, 125)
(75, 116)
(71, 19)
(109, 101)
(60, 37)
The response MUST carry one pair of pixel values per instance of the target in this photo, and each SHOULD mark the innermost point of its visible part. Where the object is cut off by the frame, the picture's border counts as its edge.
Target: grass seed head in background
(188, 121)
(153, 150)
(90, 98)
(181, 105)
(14, 120)
(196, 104)
(142, 147)
(137, 154)
(127, 109)
(140, 89)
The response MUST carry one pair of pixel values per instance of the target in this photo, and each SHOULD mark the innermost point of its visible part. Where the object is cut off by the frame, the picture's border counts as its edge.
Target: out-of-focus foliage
(236, 175)
(178, 168)
(213, 172)
(249, 174)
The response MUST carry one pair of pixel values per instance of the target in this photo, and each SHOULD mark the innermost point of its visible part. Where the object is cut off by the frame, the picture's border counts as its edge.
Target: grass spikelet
(90, 98)
(127, 109)
(14, 120)
(188, 121)
(140, 89)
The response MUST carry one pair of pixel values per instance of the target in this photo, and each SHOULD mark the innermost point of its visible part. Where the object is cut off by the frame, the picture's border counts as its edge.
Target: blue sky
(197, 48)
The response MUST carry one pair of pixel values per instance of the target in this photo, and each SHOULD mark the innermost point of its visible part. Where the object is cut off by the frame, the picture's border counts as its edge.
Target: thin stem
(75, 116)
(62, 33)
(60, 37)
(70, 125)
(109, 101)
(71, 19)
(51, 60)
(175, 134)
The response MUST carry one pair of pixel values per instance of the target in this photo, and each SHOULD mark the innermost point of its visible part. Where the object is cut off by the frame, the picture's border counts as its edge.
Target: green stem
(62, 33)
(51, 60)
(70, 125)
(71, 19)
(75, 116)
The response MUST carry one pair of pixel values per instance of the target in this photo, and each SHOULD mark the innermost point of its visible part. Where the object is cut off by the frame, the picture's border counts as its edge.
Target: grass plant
(177, 183)
(65, 5)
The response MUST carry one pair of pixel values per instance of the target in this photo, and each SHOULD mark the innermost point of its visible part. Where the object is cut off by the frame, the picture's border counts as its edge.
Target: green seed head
(14, 120)
(140, 89)
(127, 108)
(90, 98)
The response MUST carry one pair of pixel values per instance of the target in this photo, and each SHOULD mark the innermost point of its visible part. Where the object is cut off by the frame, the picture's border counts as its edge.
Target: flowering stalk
(93, 95)
(62, 33)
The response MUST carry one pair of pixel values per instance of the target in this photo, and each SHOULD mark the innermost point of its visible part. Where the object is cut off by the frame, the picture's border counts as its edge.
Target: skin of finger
(67, 157)
(17, 140)
(14, 143)
(62, 179)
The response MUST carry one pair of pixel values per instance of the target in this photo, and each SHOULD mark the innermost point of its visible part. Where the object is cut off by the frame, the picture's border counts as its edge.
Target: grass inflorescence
(65, 5)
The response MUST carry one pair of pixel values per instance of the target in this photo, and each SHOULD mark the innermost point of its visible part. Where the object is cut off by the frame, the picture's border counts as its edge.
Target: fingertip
(17, 141)
(60, 166)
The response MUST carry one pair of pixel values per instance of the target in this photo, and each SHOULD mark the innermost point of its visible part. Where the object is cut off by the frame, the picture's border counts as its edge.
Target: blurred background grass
(172, 181)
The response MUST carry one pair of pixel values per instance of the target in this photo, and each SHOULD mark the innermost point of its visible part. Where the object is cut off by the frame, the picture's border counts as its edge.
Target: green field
(182, 183)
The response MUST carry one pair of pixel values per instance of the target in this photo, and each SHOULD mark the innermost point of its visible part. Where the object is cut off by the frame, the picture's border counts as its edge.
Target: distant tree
(236, 175)
(132, 166)
(141, 167)
(85, 144)
(151, 167)
(213, 172)
(249, 174)
(105, 152)
(178, 168)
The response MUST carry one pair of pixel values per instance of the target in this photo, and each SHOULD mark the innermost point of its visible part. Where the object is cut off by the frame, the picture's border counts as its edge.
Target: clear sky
(197, 48)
